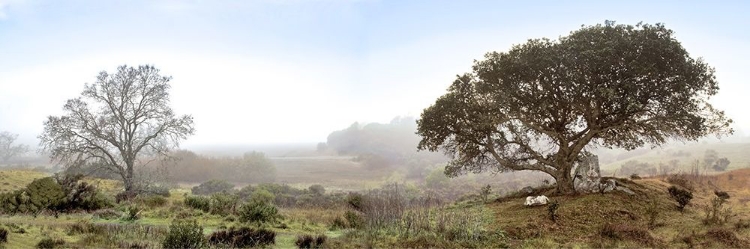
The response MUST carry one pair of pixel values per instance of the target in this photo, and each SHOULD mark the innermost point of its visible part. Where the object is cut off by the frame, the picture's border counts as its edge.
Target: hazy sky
(293, 71)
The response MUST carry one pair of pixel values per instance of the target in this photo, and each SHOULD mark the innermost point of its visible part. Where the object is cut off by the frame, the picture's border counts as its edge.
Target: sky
(292, 71)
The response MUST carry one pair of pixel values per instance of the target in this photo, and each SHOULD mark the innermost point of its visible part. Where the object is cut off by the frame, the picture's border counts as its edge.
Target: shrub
(338, 223)
(552, 210)
(184, 234)
(652, 211)
(45, 193)
(242, 237)
(308, 241)
(198, 202)
(132, 213)
(317, 189)
(635, 176)
(354, 219)
(3, 235)
(715, 214)
(48, 243)
(622, 231)
(152, 201)
(160, 190)
(681, 195)
(485, 192)
(212, 187)
(258, 212)
(355, 201)
(680, 180)
(223, 203)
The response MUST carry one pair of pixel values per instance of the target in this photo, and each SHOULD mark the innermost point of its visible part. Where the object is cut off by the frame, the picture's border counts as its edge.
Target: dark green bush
(212, 187)
(45, 193)
(258, 212)
(355, 201)
(3, 235)
(681, 195)
(242, 237)
(198, 202)
(184, 234)
(308, 241)
(49, 243)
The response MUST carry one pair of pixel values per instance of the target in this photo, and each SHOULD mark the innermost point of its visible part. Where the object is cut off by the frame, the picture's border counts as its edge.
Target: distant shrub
(49, 243)
(317, 189)
(681, 195)
(184, 234)
(132, 213)
(338, 223)
(198, 202)
(223, 203)
(354, 219)
(715, 214)
(309, 241)
(258, 212)
(212, 187)
(3, 235)
(242, 237)
(485, 192)
(635, 176)
(355, 201)
(152, 201)
(160, 190)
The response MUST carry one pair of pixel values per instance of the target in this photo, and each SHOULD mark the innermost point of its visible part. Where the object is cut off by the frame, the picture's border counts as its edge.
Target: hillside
(622, 220)
(686, 155)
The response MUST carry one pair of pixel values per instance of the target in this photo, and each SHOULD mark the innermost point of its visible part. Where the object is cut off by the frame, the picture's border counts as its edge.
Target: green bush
(49, 243)
(317, 189)
(258, 212)
(184, 234)
(308, 241)
(45, 193)
(198, 202)
(354, 219)
(681, 195)
(242, 238)
(212, 187)
(223, 203)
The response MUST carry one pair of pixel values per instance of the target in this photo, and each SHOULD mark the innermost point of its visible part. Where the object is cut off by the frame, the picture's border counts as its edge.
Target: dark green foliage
(308, 241)
(681, 195)
(49, 243)
(45, 193)
(3, 235)
(552, 210)
(258, 212)
(242, 237)
(54, 194)
(184, 234)
(198, 202)
(212, 187)
(722, 194)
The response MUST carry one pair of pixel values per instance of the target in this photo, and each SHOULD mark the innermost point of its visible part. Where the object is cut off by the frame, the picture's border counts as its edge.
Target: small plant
(198, 202)
(3, 235)
(681, 195)
(652, 211)
(132, 213)
(49, 243)
(552, 210)
(485, 192)
(308, 241)
(355, 201)
(258, 212)
(184, 234)
(715, 214)
(242, 237)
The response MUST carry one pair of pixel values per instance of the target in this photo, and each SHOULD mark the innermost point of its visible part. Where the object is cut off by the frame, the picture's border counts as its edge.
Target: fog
(254, 73)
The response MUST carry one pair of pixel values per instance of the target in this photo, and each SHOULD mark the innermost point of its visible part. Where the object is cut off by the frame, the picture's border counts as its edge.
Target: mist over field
(374, 124)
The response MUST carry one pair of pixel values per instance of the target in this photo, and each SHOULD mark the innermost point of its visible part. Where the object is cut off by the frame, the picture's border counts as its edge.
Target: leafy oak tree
(121, 121)
(542, 103)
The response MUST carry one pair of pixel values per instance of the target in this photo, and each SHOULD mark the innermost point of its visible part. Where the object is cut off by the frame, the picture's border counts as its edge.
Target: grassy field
(687, 154)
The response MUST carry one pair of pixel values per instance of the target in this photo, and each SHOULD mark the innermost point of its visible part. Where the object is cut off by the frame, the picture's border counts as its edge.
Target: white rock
(536, 201)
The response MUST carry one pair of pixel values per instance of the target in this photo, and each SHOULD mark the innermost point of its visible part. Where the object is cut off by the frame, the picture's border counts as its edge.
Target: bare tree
(7, 149)
(121, 121)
